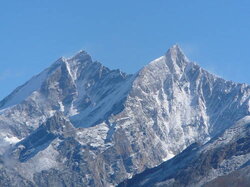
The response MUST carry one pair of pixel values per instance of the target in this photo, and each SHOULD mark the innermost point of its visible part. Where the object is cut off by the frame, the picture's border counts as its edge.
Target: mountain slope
(81, 96)
(237, 178)
(117, 124)
(225, 159)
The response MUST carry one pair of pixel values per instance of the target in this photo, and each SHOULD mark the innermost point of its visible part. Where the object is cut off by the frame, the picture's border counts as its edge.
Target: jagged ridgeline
(78, 123)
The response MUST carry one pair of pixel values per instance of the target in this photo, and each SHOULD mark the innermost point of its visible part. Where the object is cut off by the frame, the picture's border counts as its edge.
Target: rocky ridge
(81, 123)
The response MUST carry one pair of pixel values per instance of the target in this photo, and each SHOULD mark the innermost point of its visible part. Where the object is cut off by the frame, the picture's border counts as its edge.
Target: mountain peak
(176, 46)
(82, 56)
(175, 52)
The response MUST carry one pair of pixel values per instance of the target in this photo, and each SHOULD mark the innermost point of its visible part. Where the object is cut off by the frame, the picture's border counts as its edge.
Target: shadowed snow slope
(112, 125)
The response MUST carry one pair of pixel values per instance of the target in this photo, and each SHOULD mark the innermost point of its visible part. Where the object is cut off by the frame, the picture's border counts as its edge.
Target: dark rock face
(41, 138)
(79, 123)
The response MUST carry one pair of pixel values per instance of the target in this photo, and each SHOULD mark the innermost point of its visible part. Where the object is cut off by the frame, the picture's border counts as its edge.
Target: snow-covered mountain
(79, 123)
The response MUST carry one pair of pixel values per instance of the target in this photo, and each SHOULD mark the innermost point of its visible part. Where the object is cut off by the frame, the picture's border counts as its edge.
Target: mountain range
(172, 123)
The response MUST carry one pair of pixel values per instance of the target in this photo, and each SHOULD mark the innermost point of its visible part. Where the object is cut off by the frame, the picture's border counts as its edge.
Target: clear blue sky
(122, 34)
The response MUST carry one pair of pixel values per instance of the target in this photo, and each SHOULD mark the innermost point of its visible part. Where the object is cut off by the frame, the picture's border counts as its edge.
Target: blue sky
(122, 34)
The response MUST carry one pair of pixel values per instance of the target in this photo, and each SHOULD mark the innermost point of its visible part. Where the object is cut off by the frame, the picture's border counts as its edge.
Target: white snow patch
(11, 140)
(168, 157)
(244, 121)
(61, 106)
(94, 136)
